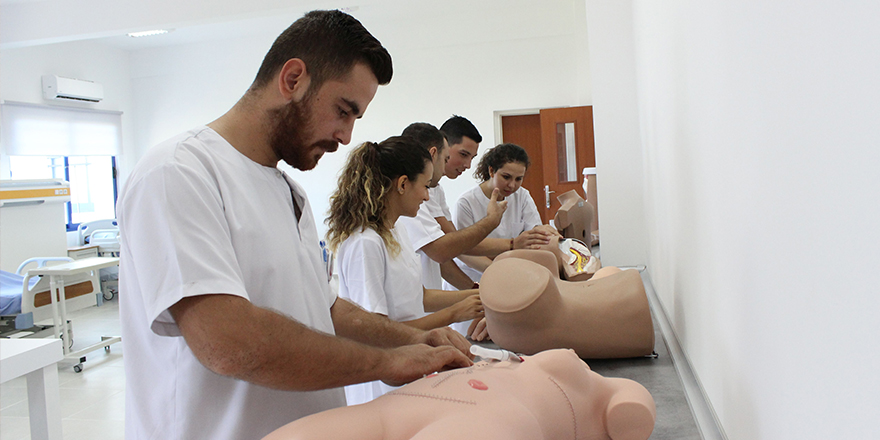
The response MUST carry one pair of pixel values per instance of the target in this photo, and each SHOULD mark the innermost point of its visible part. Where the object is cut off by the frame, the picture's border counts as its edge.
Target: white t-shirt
(197, 217)
(424, 229)
(380, 283)
(521, 215)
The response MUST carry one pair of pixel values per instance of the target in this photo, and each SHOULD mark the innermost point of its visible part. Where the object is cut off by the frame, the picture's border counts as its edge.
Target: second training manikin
(529, 309)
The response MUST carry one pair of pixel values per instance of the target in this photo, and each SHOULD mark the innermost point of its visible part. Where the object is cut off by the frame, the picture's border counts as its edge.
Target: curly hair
(497, 157)
(359, 201)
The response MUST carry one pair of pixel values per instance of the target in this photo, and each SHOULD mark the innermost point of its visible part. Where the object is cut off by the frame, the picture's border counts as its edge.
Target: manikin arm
(232, 337)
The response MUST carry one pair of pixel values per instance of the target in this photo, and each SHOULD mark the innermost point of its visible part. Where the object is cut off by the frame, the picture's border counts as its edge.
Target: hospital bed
(105, 235)
(38, 293)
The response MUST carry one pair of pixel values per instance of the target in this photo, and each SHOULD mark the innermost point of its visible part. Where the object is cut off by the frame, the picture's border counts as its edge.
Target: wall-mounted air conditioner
(59, 87)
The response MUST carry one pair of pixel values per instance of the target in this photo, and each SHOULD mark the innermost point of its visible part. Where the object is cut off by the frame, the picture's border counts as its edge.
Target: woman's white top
(381, 283)
(423, 229)
(521, 215)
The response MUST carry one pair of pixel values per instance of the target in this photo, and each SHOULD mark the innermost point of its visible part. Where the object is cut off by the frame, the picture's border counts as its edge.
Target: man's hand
(443, 336)
(496, 209)
(412, 362)
(534, 238)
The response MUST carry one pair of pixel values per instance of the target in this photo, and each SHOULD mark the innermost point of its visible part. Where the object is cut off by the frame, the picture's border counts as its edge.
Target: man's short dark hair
(457, 127)
(425, 134)
(330, 43)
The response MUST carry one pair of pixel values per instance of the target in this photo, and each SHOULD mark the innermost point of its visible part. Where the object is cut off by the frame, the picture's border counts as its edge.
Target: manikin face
(508, 178)
(460, 157)
(416, 191)
(304, 130)
(440, 161)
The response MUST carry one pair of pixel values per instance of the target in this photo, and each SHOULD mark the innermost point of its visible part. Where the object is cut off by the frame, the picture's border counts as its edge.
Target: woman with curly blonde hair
(378, 268)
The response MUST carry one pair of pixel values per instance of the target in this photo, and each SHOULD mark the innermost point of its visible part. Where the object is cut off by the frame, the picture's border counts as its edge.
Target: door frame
(497, 114)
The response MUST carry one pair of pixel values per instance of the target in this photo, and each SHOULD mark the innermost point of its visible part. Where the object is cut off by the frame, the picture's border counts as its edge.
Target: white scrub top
(424, 229)
(380, 283)
(521, 215)
(196, 218)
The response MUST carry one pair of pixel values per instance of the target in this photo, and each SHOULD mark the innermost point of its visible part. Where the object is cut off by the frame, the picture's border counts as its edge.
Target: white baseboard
(704, 415)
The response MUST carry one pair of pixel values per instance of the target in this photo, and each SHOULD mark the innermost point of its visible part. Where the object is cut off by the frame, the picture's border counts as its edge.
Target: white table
(37, 359)
(56, 276)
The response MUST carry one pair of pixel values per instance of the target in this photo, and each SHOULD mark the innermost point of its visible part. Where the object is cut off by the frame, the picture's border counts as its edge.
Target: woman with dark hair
(502, 167)
(378, 269)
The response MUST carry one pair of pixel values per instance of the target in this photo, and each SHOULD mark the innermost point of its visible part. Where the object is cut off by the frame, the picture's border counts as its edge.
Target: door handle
(547, 195)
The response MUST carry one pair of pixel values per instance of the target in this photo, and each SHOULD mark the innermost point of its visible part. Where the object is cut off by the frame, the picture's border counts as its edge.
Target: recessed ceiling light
(150, 33)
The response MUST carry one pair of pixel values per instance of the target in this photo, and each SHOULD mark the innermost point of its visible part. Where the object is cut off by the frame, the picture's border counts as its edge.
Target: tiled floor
(92, 402)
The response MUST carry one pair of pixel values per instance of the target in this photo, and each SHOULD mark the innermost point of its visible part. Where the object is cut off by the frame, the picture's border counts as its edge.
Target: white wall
(619, 168)
(20, 73)
(486, 60)
(758, 122)
(21, 69)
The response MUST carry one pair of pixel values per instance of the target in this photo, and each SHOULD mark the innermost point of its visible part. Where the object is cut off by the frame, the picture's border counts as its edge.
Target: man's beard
(291, 127)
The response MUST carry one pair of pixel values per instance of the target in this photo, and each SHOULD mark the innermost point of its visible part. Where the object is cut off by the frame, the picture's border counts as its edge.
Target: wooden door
(567, 148)
(525, 131)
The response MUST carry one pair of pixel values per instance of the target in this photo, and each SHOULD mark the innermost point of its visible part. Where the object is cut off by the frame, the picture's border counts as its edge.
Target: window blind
(39, 130)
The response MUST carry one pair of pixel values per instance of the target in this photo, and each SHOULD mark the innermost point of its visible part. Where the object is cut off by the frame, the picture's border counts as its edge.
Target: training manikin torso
(574, 219)
(552, 395)
(529, 309)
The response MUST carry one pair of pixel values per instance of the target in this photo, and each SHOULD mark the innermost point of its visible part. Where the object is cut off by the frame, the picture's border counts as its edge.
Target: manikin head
(379, 183)
(326, 68)
(429, 137)
(503, 167)
(464, 140)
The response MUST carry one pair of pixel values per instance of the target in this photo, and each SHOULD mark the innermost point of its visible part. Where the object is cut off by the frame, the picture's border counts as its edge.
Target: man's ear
(293, 80)
(434, 152)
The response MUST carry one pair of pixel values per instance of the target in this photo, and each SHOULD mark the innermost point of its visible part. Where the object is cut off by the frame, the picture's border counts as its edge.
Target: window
(77, 145)
(92, 182)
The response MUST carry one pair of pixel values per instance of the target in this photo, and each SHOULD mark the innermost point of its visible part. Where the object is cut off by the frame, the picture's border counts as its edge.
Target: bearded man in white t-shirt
(231, 329)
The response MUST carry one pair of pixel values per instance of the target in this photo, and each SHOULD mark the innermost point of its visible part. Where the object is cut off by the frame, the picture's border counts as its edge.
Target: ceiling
(35, 22)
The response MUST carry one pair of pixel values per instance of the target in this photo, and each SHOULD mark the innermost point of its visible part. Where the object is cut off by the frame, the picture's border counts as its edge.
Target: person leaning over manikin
(435, 237)
(230, 324)
(378, 269)
(502, 168)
